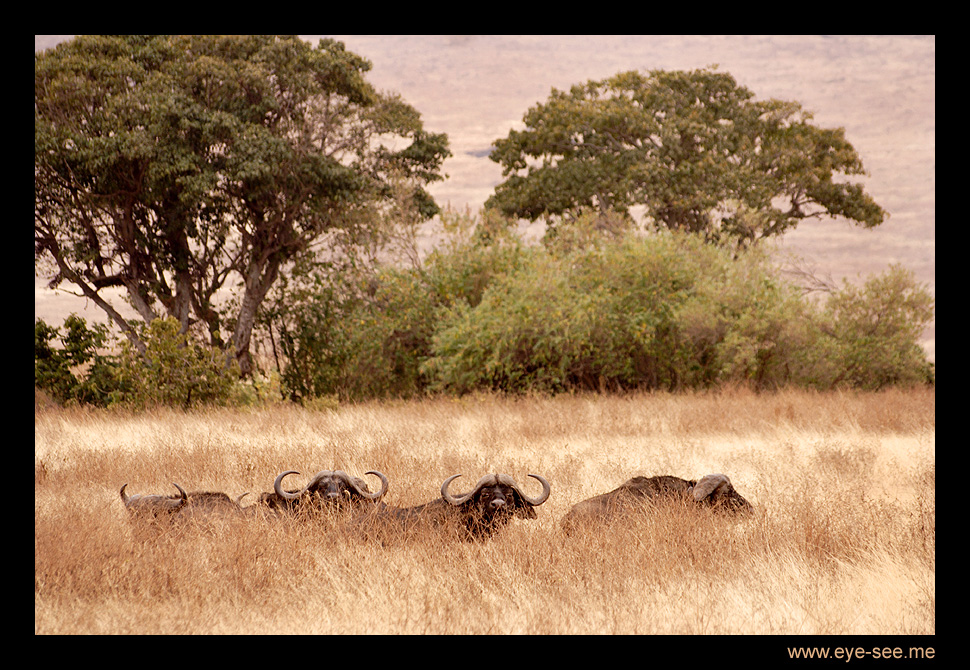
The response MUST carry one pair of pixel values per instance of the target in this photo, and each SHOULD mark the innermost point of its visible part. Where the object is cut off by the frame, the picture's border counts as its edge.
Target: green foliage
(593, 309)
(173, 370)
(301, 320)
(75, 371)
(354, 339)
(875, 331)
(605, 316)
(185, 160)
(475, 251)
(694, 147)
(388, 332)
(365, 330)
(512, 340)
(585, 311)
(168, 164)
(752, 325)
(671, 312)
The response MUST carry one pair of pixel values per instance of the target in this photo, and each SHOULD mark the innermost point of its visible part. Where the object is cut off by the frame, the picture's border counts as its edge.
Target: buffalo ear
(708, 484)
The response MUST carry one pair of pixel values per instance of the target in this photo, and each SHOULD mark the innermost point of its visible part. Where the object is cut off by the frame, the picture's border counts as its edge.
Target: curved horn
(183, 496)
(453, 500)
(544, 496)
(168, 502)
(240, 497)
(707, 485)
(379, 494)
(279, 489)
(464, 497)
(124, 498)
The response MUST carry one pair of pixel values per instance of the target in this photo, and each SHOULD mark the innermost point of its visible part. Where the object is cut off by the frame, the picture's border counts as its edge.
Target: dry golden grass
(843, 541)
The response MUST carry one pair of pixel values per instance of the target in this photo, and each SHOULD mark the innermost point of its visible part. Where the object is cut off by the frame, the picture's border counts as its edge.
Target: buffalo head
(495, 495)
(716, 490)
(327, 490)
(492, 502)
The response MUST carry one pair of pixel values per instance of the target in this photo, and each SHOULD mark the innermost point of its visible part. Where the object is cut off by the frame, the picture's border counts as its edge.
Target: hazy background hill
(476, 88)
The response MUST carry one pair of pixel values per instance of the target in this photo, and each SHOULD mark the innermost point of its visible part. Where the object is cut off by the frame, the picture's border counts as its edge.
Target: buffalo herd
(476, 514)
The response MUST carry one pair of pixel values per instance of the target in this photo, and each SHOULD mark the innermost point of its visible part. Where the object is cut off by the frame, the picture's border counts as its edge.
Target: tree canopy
(171, 165)
(693, 147)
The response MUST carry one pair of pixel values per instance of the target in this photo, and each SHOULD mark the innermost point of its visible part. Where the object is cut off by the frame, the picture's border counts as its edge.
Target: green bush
(173, 370)
(361, 332)
(76, 371)
(583, 311)
(641, 285)
(670, 312)
(474, 253)
(875, 331)
(352, 337)
(515, 338)
(601, 316)
(303, 321)
(387, 334)
(744, 325)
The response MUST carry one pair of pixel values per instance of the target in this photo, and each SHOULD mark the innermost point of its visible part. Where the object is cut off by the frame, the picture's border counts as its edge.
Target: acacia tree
(694, 147)
(171, 165)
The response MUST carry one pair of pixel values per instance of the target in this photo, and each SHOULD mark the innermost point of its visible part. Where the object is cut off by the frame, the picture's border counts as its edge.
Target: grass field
(843, 540)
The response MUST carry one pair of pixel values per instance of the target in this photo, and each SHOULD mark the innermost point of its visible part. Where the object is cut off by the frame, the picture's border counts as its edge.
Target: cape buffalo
(475, 515)
(328, 490)
(714, 490)
(152, 504)
(193, 504)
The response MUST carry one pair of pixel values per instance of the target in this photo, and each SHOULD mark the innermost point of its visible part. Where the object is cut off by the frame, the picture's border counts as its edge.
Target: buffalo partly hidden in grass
(475, 515)
(192, 504)
(714, 491)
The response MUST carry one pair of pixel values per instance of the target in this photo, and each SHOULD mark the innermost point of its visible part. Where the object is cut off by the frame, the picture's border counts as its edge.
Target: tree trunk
(259, 279)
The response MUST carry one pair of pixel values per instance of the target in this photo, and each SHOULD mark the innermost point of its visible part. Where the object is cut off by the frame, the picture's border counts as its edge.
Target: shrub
(744, 325)
(387, 334)
(303, 322)
(604, 315)
(514, 339)
(76, 371)
(876, 329)
(173, 370)
(591, 311)
(473, 254)
(670, 312)
(365, 331)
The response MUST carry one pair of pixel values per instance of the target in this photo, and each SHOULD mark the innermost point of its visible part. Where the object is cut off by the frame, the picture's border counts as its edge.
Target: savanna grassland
(843, 539)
